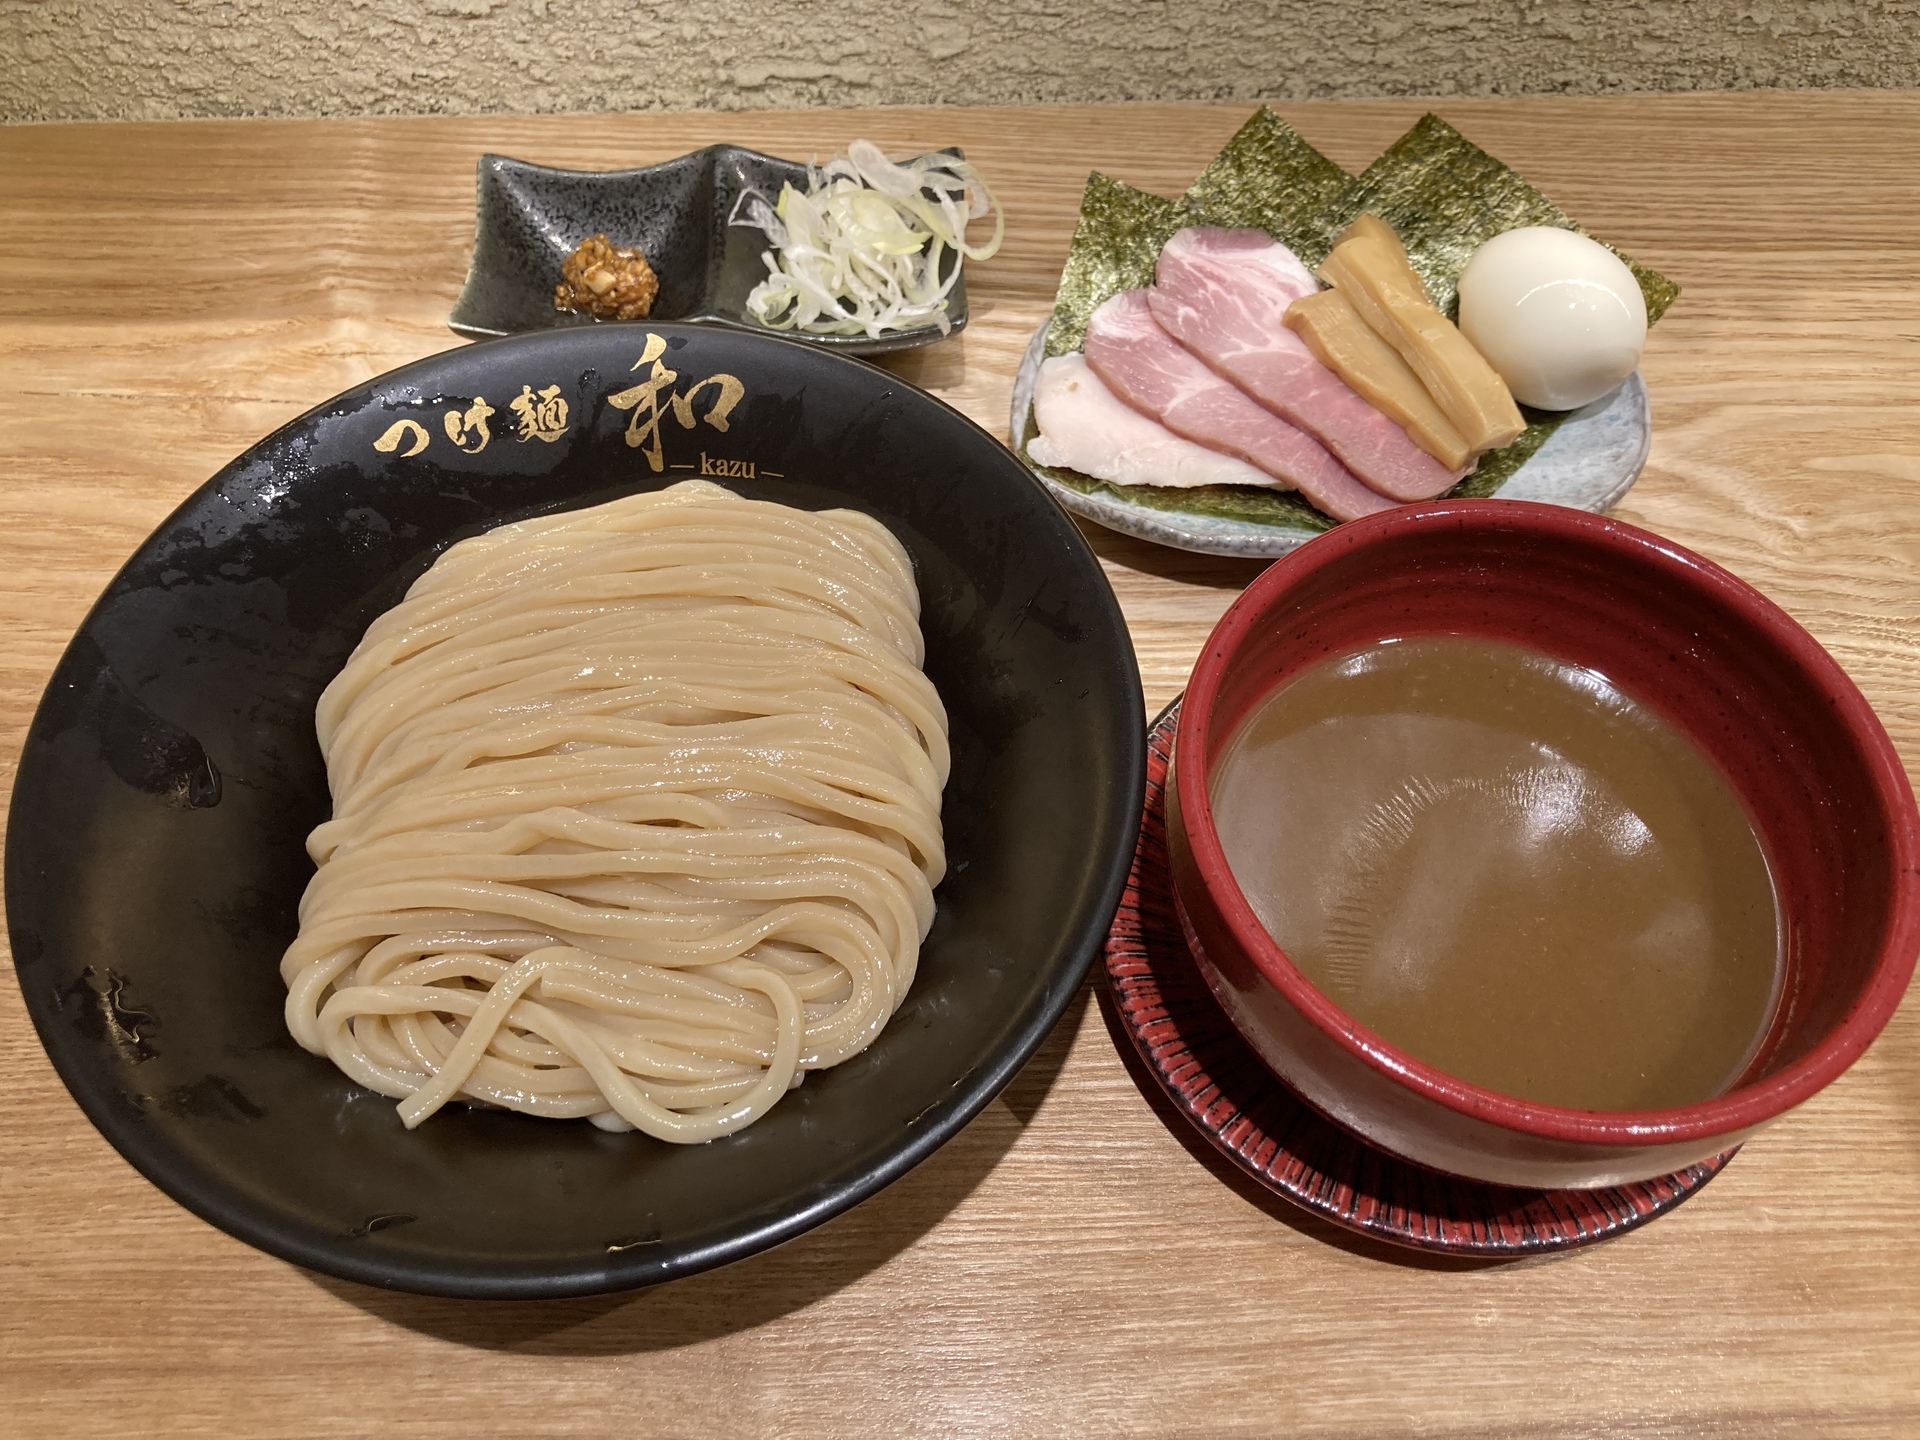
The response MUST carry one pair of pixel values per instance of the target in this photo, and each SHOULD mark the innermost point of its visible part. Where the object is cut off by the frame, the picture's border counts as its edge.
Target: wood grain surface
(1071, 1264)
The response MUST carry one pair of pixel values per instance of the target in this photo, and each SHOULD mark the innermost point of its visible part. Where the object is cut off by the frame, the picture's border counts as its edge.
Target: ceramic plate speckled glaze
(1588, 463)
(155, 851)
(529, 218)
(1191, 1050)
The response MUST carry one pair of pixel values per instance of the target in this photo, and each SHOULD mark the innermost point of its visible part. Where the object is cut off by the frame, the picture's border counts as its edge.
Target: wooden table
(1068, 1265)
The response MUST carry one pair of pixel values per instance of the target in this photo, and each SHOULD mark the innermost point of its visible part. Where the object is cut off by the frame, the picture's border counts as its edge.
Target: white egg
(1558, 315)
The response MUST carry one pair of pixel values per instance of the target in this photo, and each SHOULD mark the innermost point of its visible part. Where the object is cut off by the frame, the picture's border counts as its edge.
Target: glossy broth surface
(1507, 868)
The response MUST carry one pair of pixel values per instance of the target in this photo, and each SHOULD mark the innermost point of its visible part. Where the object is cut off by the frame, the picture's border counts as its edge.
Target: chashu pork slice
(1084, 427)
(1154, 373)
(1224, 295)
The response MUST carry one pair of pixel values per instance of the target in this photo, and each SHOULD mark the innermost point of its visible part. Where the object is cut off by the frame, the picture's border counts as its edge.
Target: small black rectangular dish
(529, 218)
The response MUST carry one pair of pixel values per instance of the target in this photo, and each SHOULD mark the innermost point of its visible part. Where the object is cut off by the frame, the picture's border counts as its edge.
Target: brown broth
(1507, 868)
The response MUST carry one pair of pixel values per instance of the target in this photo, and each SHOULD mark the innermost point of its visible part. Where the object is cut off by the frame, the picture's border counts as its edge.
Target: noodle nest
(636, 817)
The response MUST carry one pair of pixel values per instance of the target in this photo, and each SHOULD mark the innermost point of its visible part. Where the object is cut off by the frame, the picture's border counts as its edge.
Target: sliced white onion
(859, 252)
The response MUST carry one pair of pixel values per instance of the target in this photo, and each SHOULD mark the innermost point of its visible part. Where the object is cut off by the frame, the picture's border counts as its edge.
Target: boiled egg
(1558, 315)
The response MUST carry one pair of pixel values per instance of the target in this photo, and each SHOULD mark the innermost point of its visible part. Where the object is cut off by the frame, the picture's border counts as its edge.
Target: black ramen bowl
(155, 850)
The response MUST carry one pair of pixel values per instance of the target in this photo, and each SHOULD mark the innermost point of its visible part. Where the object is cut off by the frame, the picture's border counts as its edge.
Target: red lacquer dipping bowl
(1752, 689)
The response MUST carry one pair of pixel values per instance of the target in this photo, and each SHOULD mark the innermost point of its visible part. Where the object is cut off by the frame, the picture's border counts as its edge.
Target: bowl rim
(1738, 1109)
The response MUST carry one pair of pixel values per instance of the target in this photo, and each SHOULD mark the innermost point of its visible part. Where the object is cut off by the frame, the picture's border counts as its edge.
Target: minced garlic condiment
(606, 281)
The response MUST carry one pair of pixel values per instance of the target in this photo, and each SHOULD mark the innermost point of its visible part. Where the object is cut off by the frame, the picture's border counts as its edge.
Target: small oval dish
(1589, 463)
(529, 218)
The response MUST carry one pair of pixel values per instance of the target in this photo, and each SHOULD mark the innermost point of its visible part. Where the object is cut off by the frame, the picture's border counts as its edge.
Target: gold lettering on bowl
(411, 432)
(644, 400)
(542, 416)
(469, 430)
(726, 469)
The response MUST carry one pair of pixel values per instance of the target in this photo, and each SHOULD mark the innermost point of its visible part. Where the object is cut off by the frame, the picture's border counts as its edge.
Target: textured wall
(84, 59)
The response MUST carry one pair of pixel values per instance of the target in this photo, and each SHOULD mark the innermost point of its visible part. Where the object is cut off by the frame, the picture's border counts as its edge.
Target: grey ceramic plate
(529, 218)
(1587, 464)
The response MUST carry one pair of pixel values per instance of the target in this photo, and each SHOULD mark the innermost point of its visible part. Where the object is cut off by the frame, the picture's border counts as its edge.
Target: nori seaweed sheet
(1270, 178)
(1441, 192)
(1118, 238)
(1447, 197)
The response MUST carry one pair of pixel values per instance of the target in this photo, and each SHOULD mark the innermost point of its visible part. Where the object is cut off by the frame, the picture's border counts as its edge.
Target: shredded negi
(859, 253)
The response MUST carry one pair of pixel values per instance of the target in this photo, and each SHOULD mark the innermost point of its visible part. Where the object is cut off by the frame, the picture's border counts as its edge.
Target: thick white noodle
(636, 817)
